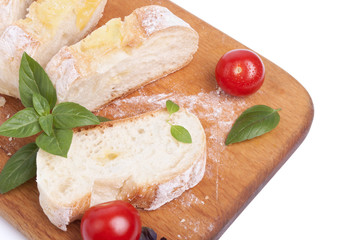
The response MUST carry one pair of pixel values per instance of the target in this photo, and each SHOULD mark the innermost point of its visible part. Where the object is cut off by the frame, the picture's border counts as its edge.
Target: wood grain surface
(234, 174)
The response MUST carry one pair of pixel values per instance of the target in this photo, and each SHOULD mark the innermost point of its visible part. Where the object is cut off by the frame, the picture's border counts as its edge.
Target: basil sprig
(253, 122)
(178, 132)
(41, 115)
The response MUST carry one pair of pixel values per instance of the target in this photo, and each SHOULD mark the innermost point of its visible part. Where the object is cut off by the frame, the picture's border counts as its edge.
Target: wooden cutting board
(234, 174)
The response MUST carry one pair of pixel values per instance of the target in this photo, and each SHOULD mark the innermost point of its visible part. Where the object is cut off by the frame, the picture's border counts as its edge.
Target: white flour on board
(217, 112)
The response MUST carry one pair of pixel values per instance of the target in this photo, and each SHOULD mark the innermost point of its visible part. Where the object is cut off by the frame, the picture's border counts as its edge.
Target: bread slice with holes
(12, 10)
(49, 25)
(122, 56)
(135, 160)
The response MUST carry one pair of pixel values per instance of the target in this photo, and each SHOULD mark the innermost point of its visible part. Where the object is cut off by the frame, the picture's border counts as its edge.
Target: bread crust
(12, 10)
(13, 42)
(70, 66)
(147, 197)
(23, 35)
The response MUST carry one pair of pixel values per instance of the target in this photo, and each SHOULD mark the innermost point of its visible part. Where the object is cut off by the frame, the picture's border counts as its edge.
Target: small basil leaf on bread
(171, 107)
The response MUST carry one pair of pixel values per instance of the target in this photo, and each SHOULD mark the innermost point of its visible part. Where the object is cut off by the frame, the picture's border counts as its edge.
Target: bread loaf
(49, 25)
(122, 56)
(12, 10)
(135, 160)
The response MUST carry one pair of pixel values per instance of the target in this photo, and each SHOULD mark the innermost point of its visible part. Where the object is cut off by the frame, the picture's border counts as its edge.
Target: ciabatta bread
(49, 25)
(12, 10)
(135, 160)
(122, 56)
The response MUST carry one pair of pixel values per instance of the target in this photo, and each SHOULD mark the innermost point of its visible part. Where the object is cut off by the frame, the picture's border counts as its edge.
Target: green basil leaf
(19, 168)
(46, 123)
(103, 119)
(41, 105)
(33, 79)
(70, 115)
(252, 123)
(172, 107)
(181, 134)
(58, 143)
(23, 124)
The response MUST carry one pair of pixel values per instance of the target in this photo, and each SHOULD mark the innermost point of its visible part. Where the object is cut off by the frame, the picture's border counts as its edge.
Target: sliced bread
(49, 25)
(121, 56)
(135, 160)
(12, 10)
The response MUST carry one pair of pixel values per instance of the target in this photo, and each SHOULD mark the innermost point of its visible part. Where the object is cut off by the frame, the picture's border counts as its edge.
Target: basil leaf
(181, 134)
(19, 168)
(23, 124)
(103, 119)
(172, 107)
(41, 105)
(33, 79)
(148, 234)
(58, 143)
(252, 123)
(46, 123)
(70, 115)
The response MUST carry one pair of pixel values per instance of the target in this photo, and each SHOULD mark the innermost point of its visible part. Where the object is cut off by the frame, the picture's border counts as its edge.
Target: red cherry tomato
(115, 220)
(240, 72)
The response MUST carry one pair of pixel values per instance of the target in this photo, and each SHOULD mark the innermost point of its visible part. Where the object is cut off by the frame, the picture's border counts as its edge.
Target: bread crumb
(206, 197)
(2, 101)
(9, 154)
(10, 139)
(183, 220)
(7, 116)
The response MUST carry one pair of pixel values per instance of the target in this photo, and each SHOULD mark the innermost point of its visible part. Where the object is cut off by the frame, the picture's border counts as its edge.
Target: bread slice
(49, 25)
(121, 56)
(135, 160)
(12, 10)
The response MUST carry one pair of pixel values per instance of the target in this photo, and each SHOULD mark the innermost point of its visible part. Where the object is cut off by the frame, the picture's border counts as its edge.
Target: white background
(317, 193)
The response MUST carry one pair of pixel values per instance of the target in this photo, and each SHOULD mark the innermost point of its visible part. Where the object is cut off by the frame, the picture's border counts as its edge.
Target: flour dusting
(157, 18)
(190, 199)
(216, 110)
